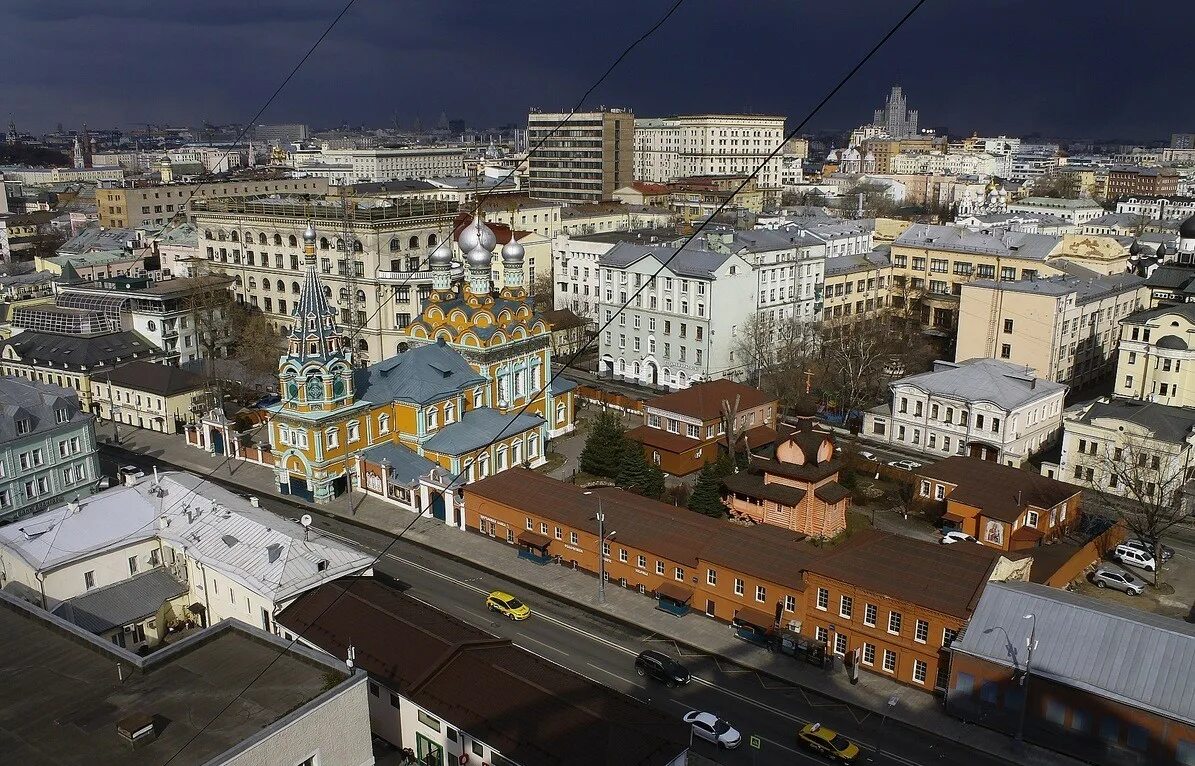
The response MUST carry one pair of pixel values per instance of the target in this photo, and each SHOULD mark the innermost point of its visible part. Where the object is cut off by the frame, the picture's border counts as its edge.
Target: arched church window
(432, 240)
(483, 466)
(338, 387)
(413, 243)
(315, 389)
(384, 424)
(449, 413)
(265, 284)
(292, 240)
(357, 246)
(323, 243)
(560, 412)
(261, 238)
(433, 418)
(294, 288)
(278, 239)
(360, 296)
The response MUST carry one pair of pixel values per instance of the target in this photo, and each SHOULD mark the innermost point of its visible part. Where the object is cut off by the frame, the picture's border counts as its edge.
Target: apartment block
(134, 205)
(669, 148)
(580, 158)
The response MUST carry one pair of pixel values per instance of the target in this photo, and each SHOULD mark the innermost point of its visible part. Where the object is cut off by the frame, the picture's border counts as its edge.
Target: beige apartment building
(855, 286)
(669, 148)
(134, 205)
(884, 149)
(582, 160)
(1064, 328)
(258, 242)
(1154, 345)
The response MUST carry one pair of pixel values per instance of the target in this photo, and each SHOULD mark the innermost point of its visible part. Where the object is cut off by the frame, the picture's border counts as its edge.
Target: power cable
(418, 515)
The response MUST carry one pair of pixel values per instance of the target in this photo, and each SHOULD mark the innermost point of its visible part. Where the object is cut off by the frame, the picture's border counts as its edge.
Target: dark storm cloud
(1017, 66)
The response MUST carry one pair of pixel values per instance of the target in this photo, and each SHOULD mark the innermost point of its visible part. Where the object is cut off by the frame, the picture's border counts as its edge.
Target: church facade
(469, 395)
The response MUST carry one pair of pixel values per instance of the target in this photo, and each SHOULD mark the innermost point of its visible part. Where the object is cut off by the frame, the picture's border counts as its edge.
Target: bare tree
(1057, 184)
(754, 346)
(258, 345)
(542, 291)
(1144, 488)
(793, 362)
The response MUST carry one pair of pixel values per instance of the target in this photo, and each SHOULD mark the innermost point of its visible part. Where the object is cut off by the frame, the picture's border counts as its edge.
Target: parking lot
(1175, 596)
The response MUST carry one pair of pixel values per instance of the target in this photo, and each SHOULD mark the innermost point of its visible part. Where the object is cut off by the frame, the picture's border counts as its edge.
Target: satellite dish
(306, 520)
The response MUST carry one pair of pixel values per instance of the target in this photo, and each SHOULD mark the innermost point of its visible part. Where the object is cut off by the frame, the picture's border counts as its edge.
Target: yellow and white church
(471, 395)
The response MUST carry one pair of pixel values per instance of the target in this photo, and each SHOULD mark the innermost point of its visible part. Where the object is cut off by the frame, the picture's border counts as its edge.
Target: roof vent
(138, 729)
(229, 540)
(273, 552)
(321, 565)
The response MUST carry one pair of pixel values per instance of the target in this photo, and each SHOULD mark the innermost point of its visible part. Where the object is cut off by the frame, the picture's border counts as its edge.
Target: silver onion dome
(441, 256)
(512, 251)
(309, 235)
(479, 257)
(477, 232)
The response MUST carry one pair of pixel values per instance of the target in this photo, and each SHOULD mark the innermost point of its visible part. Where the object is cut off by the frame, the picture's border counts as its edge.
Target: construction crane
(350, 268)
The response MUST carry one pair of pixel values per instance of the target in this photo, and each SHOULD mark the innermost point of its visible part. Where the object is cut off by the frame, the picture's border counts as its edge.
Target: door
(438, 505)
(217, 443)
(710, 608)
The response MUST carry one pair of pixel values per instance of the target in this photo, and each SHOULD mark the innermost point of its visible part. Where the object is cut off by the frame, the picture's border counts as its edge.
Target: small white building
(231, 559)
(983, 408)
(1075, 211)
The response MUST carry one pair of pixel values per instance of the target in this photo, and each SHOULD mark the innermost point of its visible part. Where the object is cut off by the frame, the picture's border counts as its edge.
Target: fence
(610, 399)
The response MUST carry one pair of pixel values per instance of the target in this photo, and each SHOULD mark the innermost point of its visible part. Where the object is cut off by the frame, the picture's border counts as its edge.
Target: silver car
(1110, 577)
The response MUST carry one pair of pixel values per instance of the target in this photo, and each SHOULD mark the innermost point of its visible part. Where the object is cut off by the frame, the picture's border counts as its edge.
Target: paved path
(693, 631)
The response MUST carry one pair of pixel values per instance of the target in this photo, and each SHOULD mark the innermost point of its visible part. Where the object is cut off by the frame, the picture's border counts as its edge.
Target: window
(622, 555)
(559, 533)
(738, 587)
(822, 634)
(894, 623)
(132, 565)
(1031, 518)
(1007, 326)
(921, 631)
(823, 599)
(1055, 712)
(641, 562)
(948, 637)
(869, 654)
(869, 615)
(543, 528)
(761, 593)
(711, 577)
(790, 603)
(659, 567)
(925, 488)
(846, 606)
(964, 683)
(1005, 351)
(889, 661)
(920, 669)
(679, 574)
(605, 549)
(572, 537)
(89, 580)
(840, 643)
(354, 431)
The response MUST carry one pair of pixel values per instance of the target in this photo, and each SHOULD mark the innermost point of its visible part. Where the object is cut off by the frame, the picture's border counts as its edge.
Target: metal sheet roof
(421, 375)
(477, 428)
(122, 603)
(1137, 658)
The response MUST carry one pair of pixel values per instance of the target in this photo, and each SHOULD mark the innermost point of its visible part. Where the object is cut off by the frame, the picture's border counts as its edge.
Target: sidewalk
(873, 692)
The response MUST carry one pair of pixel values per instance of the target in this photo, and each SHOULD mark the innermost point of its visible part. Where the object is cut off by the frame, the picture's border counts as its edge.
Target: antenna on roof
(306, 522)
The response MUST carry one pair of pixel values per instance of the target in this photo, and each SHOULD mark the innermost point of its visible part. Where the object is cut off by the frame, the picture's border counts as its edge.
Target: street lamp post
(1030, 644)
(602, 538)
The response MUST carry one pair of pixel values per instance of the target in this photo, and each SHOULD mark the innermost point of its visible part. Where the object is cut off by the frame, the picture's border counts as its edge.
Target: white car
(955, 536)
(869, 456)
(907, 465)
(1134, 557)
(713, 729)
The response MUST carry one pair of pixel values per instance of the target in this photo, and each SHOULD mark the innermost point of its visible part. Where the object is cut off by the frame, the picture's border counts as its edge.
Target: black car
(662, 668)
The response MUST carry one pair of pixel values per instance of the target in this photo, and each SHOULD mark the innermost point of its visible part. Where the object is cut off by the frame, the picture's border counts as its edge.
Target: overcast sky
(1058, 67)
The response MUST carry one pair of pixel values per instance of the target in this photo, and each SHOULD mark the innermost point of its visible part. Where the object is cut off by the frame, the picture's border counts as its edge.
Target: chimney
(73, 506)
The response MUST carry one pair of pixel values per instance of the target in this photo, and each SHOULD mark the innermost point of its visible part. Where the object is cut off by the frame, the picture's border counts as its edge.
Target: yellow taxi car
(508, 605)
(819, 739)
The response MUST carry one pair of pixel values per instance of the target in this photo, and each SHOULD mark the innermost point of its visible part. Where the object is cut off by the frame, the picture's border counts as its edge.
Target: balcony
(403, 276)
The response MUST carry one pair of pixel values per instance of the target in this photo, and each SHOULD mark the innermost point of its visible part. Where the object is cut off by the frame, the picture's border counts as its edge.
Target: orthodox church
(468, 396)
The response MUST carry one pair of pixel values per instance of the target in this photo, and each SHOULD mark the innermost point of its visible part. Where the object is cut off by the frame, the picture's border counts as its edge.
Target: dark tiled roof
(832, 492)
(405, 465)
(422, 375)
(665, 440)
(704, 400)
(477, 428)
(688, 261)
(945, 578)
(999, 491)
(560, 319)
(754, 486)
(82, 352)
(160, 379)
(35, 402)
(810, 472)
(532, 711)
(1169, 424)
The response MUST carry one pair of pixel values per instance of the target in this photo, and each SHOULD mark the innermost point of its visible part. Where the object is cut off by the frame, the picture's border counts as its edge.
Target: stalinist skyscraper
(894, 118)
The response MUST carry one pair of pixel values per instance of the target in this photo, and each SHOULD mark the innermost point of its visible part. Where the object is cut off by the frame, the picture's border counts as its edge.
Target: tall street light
(602, 538)
(1030, 644)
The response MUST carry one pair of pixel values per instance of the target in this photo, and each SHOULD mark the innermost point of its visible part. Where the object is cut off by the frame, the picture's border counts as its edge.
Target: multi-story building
(1123, 446)
(41, 176)
(434, 708)
(1076, 211)
(393, 164)
(258, 242)
(894, 118)
(282, 134)
(930, 264)
(157, 397)
(948, 163)
(678, 326)
(682, 431)
(316, 712)
(135, 204)
(1064, 328)
(983, 408)
(883, 148)
(1157, 208)
(580, 158)
(789, 265)
(1153, 346)
(599, 217)
(576, 264)
(1031, 161)
(669, 148)
(1001, 506)
(855, 285)
(1182, 140)
(47, 447)
(1067, 699)
(1136, 181)
(520, 211)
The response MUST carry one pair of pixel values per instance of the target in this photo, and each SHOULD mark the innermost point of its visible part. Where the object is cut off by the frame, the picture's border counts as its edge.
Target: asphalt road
(604, 650)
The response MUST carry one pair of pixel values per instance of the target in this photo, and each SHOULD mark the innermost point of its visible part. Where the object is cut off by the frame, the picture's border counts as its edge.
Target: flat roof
(63, 698)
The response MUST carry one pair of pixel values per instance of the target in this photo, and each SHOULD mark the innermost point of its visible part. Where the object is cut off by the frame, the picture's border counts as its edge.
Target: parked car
(955, 536)
(713, 729)
(907, 465)
(507, 605)
(1134, 557)
(867, 455)
(1141, 545)
(1106, 576)
(819, 739)
(662, 668)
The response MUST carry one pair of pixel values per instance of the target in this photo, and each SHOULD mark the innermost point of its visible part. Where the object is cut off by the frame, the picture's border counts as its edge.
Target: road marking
(612, 673)
(544, 644)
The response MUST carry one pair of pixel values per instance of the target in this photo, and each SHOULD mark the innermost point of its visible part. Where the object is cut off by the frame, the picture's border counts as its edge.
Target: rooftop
(37, 403)
(185, 688)
(478, 427)
(1000, 491)
(76, 352)
(1133, 657)
(161, 379)
(1012, 244)
(1169, 424)
(688, 261)
(482, 684)
(98, 238)
(945, 578)
(1056, 203)
(1083, 289)
(121, 603)
(703, 401)
(849, 264)
(1008, 386)
(422, 374)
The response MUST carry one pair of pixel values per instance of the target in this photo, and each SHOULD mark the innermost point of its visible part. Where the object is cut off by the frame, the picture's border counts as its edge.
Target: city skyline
(421, 61)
